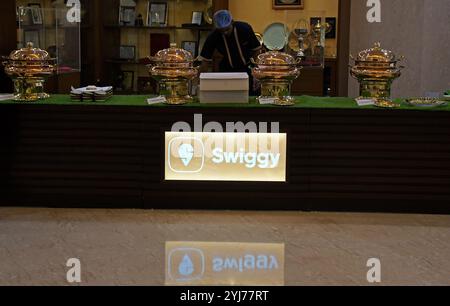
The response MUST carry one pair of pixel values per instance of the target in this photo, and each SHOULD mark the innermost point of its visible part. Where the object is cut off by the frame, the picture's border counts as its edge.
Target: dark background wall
(8, 38)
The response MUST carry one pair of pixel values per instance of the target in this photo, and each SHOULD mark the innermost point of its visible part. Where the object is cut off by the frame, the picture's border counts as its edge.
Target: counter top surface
(301, 102)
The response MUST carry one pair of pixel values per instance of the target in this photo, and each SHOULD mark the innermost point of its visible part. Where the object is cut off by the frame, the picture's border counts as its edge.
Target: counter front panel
(60, 153)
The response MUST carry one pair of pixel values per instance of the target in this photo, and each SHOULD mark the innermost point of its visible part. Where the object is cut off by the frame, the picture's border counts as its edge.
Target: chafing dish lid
(173, 55)
(29, 53)
(377, 54)
(275, 58)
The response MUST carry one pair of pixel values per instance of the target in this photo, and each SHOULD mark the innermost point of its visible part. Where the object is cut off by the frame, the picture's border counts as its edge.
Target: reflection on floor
(126, 247)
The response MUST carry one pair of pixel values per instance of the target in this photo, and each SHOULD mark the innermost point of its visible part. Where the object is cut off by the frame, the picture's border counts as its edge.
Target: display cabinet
(102, 35)
(48, 26)
(303, 34)
(136, 29)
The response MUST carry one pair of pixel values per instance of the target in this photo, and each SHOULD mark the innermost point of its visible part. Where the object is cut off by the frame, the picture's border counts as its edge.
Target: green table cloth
(301, 102)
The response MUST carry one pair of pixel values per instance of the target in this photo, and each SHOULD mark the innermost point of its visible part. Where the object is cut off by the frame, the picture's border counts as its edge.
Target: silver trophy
(301, 30)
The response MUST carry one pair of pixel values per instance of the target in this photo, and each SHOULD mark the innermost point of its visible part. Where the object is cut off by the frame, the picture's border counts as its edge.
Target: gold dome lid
(275, 58)
(173, 55)
(29, 53)
(276, 65)
(377, 54)
(173, 63)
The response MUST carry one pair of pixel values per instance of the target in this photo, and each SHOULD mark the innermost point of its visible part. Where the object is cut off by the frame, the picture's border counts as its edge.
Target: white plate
(276, 36)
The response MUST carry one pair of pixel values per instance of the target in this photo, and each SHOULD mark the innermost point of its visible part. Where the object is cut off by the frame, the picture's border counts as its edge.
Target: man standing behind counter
(235, 41)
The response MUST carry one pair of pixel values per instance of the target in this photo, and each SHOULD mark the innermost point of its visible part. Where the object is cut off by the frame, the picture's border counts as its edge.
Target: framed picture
(314, 20)
(157, 14)
(129, 3)
(127, 15)
(128, 80)
(24, 15)
(127, 52)
(197, 18)
(31, 36)
(331, 31)
(36, 13)
(288, 4)
(190, 46)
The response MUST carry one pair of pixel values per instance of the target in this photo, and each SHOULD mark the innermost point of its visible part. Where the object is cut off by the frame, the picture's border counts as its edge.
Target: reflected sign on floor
(216, 263)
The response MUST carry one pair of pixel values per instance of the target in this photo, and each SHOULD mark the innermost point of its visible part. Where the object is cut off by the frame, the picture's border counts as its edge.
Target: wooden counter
(340, 157)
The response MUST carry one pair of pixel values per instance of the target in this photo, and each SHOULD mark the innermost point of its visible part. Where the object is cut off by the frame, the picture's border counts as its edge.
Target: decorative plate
(276, 36)
(425, 102)
(384, 103)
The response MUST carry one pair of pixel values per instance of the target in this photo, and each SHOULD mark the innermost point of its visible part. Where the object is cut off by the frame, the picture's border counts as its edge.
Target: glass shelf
(199, 28)
(49, 29)
(306, 36)
(124, 29)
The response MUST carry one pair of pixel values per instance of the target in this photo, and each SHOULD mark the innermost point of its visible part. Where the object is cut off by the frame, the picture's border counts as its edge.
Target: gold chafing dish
(28, 68)
(276, 71)
(376, 69)
(173, 68)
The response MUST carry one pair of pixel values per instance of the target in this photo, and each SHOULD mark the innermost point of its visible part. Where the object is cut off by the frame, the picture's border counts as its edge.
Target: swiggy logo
(186, 155)
(185, 264)
(225, 157)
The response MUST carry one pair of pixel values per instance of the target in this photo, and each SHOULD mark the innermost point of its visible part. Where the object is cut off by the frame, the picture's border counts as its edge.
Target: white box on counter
(224, 88)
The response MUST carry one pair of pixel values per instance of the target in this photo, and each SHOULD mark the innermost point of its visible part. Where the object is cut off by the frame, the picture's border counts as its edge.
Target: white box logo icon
(186, 264)
(186, 155)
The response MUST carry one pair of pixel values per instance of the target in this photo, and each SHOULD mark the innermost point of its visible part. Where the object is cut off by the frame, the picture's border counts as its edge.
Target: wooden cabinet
(330, 77)
(62, 83)
(110, 68)
(309, 83)
(10, 40)
(317, 81)
(101, 38)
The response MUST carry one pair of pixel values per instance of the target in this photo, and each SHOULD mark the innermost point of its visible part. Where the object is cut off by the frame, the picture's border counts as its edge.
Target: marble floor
(126, 247)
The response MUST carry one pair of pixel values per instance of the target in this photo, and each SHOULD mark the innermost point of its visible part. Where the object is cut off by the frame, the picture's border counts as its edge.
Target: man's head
(223, 21)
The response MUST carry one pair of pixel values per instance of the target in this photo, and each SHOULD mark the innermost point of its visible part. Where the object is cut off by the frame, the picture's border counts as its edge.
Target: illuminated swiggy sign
(252, 157)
